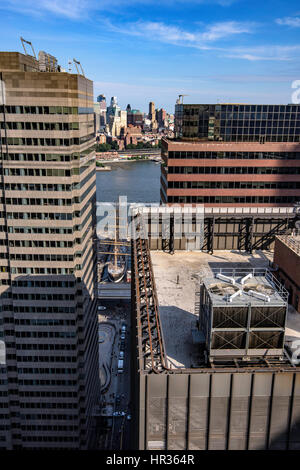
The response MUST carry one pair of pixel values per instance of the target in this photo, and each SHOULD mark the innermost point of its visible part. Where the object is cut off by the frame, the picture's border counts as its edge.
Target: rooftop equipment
(226, 278)
(246, 318)
(245, 278)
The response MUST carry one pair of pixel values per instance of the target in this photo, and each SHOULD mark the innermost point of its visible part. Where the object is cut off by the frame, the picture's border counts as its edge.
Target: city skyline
(216, 50)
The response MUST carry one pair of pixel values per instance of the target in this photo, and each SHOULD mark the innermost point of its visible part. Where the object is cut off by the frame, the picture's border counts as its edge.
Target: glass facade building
(233, 155)
(239, 122)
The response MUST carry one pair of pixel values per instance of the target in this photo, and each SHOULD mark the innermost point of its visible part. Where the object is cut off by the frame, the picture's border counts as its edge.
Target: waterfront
(138, 180)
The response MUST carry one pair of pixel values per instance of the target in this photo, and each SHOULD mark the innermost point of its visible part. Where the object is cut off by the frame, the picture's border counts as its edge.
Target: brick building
(287, 258)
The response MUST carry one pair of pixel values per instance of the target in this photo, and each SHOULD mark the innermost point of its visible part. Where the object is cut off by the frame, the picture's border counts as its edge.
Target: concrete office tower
(233, 155)
(152, 111)
(49, 385)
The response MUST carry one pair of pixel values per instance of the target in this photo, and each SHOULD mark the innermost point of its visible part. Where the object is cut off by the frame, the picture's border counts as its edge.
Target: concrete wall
(230, 234)
(217, 410)
(288, 262)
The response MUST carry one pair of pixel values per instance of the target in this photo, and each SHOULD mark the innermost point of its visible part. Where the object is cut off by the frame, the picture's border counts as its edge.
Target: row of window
(262, 126)
(39, 110)
(41, 283)
(55, 394)
(43, 171)
(44, 334)
(46, 142)
(45, 187)
(46, 157)
(237, 155)
(227, 170)
(35, 271)
(45, 257)
(48, 201)
(39, 309)
(48, 382)
(46, 370)
(48, 297)
(233, 199)
(46, 359)
(241, 108)
(70, 406)
(48, 439)
(40, 126)
(237, 137)
(43, 215)
(232, 185)
(41, 243)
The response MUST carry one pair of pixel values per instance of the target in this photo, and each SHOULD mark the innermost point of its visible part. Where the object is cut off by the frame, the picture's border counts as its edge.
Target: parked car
(119, 413)
(122, 345)
(101, 307)
(121, 354)
(129, 417)
(123, 329)
(122, 336)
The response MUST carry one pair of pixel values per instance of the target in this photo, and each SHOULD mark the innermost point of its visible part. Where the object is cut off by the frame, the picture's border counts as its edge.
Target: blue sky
(144, 50)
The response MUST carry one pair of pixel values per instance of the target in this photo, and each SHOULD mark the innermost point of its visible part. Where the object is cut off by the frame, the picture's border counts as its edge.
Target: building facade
(287, 263)
(234, 405)
(100, 113)
(49, 384)
(233, 155)
(238, 122)
(135, 117)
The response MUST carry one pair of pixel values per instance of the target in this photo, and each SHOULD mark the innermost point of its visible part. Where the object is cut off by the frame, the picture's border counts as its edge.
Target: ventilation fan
(260, 288)
(221, 288)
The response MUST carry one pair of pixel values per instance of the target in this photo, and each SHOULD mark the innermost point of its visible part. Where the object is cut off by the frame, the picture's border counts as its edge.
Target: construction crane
(30, 44)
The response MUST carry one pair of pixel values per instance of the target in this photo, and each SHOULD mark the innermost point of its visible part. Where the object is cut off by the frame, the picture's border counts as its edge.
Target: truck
(120, 366)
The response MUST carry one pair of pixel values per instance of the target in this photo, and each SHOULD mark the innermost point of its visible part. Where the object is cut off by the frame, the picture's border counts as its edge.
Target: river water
(138, 180)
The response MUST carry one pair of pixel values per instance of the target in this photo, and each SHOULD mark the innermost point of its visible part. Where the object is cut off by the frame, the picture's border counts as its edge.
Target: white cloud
(224, 29)
(208, 39)
(158, 31)
(293, 21)
(268, 52)
(81, 9)
(72, 9)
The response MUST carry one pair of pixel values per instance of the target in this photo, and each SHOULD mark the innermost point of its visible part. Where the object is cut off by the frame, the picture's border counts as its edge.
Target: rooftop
(177, 279)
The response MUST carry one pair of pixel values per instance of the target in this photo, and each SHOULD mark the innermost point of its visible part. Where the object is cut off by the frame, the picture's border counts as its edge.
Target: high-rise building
(151, 111)
(161, 116)
(238, 122)
(113, 109)
(100, 113)
(233, 155)
(49, 384)
(135, 117)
